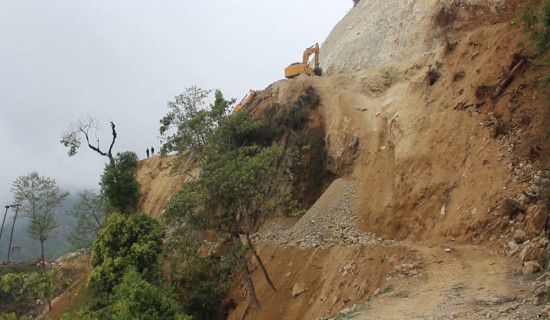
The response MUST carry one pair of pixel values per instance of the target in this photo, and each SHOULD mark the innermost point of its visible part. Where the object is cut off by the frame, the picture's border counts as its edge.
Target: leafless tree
(87, 127)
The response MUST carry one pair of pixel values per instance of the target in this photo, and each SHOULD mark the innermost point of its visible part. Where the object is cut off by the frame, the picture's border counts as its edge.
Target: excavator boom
(296, 69)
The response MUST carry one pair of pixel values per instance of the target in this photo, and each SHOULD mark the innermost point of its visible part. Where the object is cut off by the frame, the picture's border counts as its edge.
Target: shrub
(125, 242)
(536, 24)
(119, 185)
(135, 298)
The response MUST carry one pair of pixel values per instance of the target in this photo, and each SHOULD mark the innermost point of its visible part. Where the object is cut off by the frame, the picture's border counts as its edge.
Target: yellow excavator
(245, 101)
(298, 68)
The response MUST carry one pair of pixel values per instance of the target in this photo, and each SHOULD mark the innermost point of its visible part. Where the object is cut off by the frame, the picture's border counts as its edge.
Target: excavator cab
(298, 68)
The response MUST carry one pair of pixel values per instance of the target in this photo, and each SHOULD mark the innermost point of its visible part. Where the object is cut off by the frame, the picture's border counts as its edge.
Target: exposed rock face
(533, 252)
(392, 31)
(536, 219)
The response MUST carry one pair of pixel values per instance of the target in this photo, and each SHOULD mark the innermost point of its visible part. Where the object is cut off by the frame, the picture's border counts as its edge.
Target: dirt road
(458, 282)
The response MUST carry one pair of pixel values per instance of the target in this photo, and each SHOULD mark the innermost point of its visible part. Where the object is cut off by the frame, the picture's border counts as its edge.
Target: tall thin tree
(39, 198)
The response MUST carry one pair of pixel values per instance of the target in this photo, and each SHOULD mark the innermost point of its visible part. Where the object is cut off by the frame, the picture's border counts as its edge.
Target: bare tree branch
(71, 138)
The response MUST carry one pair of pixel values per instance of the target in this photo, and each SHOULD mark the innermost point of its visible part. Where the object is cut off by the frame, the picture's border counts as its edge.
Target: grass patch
(533, 277)
(384, 291)
(348, 313)
(18, 268)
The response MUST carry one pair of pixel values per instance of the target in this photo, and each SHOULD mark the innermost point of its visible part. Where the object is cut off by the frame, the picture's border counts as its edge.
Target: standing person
(152, 151)
(147, 153)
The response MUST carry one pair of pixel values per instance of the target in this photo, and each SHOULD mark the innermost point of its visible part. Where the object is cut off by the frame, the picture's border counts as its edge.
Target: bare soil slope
(446, 145)
(158, 185)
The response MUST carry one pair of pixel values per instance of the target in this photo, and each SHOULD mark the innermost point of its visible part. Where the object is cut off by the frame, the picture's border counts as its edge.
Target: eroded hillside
(424, 176)
(431, 198)
(439, 137)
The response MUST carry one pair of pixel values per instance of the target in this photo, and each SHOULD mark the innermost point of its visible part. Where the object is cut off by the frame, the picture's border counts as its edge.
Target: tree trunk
(249, 281)
(266, 275)
(42, 255)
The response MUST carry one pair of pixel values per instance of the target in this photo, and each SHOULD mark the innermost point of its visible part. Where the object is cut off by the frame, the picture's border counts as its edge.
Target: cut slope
(440, 148)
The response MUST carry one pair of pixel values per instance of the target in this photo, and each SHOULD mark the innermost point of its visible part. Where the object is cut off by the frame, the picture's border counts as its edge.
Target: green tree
(119, 184)
(200, 281)
(39, 198)
(239, 179)
(90, 213)
(135, 298)
(125, 242)
(189, 123)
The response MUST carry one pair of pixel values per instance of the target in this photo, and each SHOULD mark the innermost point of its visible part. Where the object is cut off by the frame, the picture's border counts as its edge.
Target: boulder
(532, 252)
(519, 236)
(536, 219)
(530, 267)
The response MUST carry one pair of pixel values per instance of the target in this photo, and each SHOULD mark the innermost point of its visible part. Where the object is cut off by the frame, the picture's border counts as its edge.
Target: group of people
(152, 152)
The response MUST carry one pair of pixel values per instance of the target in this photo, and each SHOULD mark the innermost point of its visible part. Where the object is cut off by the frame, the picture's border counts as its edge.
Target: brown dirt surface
(158, 186)
(458, 282)
(317, 282)
(75, 266)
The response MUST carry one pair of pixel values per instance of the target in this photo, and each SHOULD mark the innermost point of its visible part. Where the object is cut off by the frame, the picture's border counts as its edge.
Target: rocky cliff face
(378, 32)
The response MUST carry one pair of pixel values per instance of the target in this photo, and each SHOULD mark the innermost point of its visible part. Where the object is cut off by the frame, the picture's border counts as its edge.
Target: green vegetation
(238, 180)
(189, 124)
(21, 289)
(126, 242)
(119, 184)
(39, 197)
(535, 23)
(18, 268)
(137, 299)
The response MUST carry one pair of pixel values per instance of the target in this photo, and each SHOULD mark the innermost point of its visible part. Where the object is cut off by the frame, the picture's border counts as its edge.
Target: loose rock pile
(323, 226)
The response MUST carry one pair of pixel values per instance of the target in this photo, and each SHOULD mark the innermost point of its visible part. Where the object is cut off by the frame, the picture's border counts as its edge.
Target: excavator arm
(309, 51)
(296, 69)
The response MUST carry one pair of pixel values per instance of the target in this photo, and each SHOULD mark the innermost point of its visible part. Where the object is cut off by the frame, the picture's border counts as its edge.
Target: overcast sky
(121, 61)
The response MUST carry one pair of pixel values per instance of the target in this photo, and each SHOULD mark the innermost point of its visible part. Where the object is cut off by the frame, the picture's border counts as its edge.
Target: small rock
(298, 289)
(530, 267)
(513, 245)
(519, 236)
